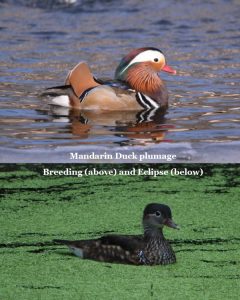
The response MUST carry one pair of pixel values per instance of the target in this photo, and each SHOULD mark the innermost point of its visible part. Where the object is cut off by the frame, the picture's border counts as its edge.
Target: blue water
(42, 40)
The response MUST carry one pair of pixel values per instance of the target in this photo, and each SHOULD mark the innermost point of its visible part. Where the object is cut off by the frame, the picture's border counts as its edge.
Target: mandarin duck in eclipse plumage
(136, 86)
(150, 249)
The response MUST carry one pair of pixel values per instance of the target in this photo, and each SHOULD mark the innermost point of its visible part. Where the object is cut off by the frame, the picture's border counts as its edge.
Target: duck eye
(157, 213)
(156, 59)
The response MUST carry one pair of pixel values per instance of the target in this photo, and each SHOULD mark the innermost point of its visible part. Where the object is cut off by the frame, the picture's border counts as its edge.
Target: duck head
(140, 69)
(155, 216)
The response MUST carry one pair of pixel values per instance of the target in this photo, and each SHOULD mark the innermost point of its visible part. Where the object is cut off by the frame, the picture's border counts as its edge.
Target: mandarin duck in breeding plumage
(136, 85)
(149, 249)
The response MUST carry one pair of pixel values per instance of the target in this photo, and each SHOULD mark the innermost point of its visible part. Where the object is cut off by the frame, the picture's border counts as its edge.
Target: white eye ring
(158, 213)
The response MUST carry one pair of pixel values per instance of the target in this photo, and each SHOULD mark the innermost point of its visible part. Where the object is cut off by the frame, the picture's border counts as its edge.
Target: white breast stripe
(144, 104)
(153, 103)
(146, 101)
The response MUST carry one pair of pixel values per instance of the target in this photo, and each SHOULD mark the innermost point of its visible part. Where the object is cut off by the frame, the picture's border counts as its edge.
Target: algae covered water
(36, 209)
(42, 40)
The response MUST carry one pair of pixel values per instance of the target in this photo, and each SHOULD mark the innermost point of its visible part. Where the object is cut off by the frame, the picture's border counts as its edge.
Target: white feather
(153, 103)
(62, 101)
(77, 251)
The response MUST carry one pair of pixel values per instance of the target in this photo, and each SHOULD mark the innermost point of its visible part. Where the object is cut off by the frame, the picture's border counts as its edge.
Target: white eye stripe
(148, 55)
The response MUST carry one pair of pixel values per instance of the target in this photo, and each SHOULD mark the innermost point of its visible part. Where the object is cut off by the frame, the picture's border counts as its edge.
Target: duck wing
(81, 79)
(126, 242)
(114, 83)
(109, 248)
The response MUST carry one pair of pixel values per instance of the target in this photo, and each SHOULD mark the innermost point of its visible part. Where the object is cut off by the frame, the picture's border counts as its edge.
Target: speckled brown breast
(159, 252)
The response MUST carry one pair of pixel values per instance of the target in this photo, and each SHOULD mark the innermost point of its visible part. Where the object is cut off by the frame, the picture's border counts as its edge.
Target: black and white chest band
(146, 102)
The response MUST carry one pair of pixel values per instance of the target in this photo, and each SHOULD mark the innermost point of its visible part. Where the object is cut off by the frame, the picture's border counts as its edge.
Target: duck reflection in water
(144, 127)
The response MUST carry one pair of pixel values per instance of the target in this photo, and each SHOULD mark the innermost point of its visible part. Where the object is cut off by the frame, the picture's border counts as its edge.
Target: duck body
(136, 86)
(151, 248)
